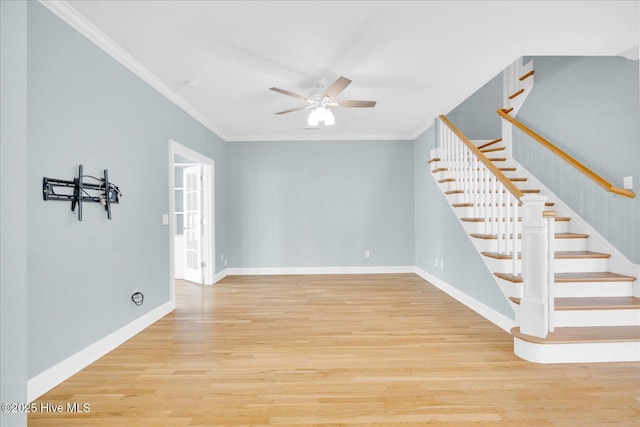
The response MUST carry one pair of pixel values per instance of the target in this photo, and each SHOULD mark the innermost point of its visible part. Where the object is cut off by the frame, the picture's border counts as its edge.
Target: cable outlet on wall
(628, 183)
(367, 253)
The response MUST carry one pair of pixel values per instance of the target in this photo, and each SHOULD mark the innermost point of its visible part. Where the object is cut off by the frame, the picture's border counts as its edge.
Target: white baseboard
(58, 373)
(317, 270)
(220, 275)
(498, 319)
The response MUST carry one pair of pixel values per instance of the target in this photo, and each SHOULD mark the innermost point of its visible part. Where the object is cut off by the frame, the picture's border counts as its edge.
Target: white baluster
(514, 235)
(551, 238)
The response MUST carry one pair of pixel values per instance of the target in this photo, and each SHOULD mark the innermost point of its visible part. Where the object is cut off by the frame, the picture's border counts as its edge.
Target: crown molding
(320, 137)
(72, 17)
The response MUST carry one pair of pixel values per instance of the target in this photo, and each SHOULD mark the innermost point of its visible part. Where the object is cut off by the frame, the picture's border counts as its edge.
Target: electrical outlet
(367, 253)
(628, 182)
(221, 257)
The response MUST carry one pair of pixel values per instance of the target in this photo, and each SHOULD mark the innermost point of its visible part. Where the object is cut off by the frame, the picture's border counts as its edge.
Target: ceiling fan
(320, 101)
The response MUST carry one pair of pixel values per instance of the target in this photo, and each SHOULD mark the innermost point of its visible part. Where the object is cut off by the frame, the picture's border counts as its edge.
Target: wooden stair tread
(435, 159)
(495, 141)
(584, 277)
(593, 303)
(520, 179)
(592, 334)
(529, 191)
(512, 169)
(513, 95)
(558, 255)
(492, 150)
(526, 75)
(598, 276)
(443, 180)
(558, 236)
(497, 159)
(454, 192)
(439, 170)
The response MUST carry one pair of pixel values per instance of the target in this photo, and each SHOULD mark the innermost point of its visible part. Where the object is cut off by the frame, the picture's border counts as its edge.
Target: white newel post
(534, 308)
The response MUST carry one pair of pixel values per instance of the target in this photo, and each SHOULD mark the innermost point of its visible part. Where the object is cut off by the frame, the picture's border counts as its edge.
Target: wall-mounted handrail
(567, 158)
(481, 156)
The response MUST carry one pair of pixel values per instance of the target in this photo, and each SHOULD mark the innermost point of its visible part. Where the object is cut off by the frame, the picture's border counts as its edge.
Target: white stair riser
(573, 289)
(491, 245)
(481, 228)
(561, 265)
(595, 289)
(568, 318)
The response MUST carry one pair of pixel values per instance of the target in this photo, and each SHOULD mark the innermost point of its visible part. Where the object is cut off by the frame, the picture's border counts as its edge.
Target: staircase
(592, 314)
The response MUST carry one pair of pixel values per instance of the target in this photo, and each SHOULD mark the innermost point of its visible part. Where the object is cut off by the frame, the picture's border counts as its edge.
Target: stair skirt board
(577, 352)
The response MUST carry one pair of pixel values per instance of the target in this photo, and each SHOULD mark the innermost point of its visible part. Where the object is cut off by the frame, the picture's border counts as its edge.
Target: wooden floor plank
(371, 350)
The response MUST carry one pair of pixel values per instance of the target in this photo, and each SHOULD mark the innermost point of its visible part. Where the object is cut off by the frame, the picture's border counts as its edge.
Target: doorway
(192, 219)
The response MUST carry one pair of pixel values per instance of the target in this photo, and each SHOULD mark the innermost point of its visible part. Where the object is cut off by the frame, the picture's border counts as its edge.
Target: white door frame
(209, 256)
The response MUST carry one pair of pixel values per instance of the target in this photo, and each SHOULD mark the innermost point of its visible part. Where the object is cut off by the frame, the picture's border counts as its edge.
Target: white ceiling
(418, 59)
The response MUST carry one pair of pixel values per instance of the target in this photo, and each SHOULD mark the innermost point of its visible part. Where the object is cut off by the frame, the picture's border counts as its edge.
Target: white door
(192, 181)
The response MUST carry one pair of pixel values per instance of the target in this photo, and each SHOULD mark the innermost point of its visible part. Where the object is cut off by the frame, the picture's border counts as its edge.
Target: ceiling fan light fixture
(329, 118)
(312, 120)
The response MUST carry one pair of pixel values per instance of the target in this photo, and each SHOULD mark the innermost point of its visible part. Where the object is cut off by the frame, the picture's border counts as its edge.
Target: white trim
(209, 164)
(260, 271)
(498, 319)
(220, 275)
(302, 138)
(45, 381)
(578, 352)
(71, 16)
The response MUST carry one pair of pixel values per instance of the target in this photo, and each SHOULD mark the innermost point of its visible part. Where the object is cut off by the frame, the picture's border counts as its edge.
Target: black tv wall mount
(101, 191)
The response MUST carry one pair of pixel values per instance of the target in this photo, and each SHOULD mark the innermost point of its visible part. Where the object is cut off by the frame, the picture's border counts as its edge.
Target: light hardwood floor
(372, 350)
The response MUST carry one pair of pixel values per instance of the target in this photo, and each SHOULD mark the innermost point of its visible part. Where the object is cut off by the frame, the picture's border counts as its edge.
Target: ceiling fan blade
(286, 92)
(356, 104)
(336, 87)
(291, 110)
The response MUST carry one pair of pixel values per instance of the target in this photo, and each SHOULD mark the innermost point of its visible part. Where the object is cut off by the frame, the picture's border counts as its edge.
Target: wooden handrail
(488, 163)
(567, 158)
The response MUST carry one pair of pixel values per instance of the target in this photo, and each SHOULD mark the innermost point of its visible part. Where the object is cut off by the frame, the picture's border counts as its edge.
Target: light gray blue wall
(476, 117)
(13, 209)
(86, 108)
(323, 203)
(589, 107)
(439, 234)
